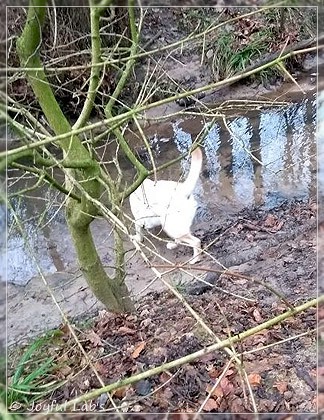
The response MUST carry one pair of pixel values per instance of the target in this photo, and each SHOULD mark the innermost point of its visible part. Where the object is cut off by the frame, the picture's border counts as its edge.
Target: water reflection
(261, 160)
(273, 139)
(271, 157)
(17, 264)
(212, 143)
(183, 141)
(242, 166)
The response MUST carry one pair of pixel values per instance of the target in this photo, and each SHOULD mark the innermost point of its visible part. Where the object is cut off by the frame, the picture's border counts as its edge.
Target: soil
(275, 248)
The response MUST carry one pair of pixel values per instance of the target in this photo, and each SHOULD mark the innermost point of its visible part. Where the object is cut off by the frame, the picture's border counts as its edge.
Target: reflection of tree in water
(212, 144)
(17, 264)
(183, 141)
(273, 138)
(320, 142)
(242, 166)
(287, 141)
(284, 144)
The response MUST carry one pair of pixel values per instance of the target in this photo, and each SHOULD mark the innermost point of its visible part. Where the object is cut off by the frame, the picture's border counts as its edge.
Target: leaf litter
(281, 376)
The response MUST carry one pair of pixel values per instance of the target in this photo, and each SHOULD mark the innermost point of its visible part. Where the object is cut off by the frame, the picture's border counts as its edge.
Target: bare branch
(95, 70)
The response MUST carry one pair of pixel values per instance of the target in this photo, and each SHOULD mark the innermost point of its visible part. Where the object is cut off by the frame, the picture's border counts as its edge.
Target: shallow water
(282, 139)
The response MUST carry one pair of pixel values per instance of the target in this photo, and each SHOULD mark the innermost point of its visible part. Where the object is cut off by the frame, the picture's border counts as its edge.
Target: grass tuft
(32, 380)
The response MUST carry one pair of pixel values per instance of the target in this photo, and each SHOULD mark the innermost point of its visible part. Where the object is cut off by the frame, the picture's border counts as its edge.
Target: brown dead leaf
(217, 392)
(209, 357)
(259, 338)
(100, 367)
(163, 397)
(213, 372)
(281, 386)
(119, 393)
(256, 315)
(270, 221)
(229, 372)
(65, 330)
(262, 365)
(138, 349)
(94, 338)
(125, 331)
(210, 405)
(236, 405)
(227, 386)
(254, 379)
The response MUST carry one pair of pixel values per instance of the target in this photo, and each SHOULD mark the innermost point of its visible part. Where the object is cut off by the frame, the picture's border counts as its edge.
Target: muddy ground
(275, 248)
(30, 308)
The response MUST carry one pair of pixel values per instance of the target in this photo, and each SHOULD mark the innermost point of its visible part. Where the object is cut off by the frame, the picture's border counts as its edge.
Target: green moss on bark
(112, 293)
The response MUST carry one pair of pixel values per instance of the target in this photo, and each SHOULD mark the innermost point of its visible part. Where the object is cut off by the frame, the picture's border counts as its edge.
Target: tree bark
(112, 293)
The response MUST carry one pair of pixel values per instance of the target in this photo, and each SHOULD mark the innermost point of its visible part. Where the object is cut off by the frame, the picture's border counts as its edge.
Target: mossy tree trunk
(112, 292)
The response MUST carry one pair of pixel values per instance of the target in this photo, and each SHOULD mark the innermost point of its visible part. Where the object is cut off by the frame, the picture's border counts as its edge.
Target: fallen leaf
(227, 386)
(213, 372)
(281, 386)
(237, 405)
(163, 397)
(270, 221)
(94, 338)
(229, 372)
(210, 405)
(119, 393)
(217, 392)
(209, 357)
(125, 330)
(256, 315)
(254, 379)
(263, 365)
(138, 350)
(100, 367)
(65, 330)
(259, 338)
